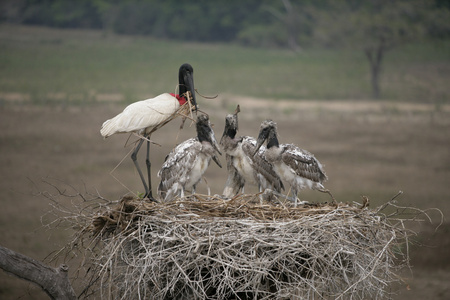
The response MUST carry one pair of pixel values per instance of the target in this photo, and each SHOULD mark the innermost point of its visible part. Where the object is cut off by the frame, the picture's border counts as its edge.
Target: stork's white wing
(141, 115)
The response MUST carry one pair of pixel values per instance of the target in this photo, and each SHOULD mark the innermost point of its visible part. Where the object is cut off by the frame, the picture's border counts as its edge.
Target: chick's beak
(262, 137)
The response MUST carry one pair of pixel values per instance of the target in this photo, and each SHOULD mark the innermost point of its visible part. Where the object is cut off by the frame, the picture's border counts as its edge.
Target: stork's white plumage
(146, 116)
(244, 167)
(143, 116)
(296, 166)
(186, 164)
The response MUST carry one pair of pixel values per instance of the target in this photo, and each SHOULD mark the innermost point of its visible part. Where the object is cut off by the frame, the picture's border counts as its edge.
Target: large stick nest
(205, 247)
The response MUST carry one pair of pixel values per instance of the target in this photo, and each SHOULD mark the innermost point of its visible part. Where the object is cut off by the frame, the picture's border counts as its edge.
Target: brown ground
(367, 149)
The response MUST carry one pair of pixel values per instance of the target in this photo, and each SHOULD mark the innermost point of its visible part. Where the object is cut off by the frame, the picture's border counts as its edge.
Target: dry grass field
(371, 149)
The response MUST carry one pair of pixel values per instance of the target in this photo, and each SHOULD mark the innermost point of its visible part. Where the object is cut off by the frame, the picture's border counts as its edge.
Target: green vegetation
(45, 65)
(372, 27)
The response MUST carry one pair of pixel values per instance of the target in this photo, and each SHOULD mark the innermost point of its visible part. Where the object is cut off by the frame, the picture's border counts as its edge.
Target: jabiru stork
(185, 165)
(146, 116)
(244, 167)
(296, 166)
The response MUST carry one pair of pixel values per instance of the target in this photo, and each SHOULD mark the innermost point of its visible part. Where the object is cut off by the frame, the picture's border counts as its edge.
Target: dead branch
(54, 282)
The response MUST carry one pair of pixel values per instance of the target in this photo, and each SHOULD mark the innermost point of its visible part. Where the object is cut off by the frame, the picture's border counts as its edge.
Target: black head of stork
(205, 133)
(267, 132)
(186, 82)
(231, 124)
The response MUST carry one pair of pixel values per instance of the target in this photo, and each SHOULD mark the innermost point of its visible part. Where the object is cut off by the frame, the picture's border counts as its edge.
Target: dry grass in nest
(205, 247)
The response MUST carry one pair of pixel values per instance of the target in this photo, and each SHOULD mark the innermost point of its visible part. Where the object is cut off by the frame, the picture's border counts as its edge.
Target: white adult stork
(296, 166)
(244, 167)
(146, 116)
(186, 164)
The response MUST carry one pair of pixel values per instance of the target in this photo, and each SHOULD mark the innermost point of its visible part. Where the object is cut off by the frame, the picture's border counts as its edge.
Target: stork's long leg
(134, 158)
(297, 199)
(149, 174)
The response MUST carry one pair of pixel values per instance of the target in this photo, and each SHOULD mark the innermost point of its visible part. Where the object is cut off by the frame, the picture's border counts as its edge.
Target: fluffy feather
(294, 165)
(186, 163)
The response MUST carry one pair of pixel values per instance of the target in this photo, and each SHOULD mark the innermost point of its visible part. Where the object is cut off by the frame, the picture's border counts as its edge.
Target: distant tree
(59, 13)
(291, 20)
(108, 10)
(377, 26)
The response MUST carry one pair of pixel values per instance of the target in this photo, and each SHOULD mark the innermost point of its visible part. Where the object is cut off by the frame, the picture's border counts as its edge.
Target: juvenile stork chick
(244, 167)
(296, 166)
(187, 162)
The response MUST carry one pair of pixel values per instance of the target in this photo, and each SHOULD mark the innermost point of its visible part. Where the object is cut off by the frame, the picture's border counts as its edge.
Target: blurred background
(364, 85)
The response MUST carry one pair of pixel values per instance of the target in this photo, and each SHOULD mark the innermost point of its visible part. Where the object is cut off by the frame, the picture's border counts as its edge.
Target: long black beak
(214, 143)
(262, 137)
(189, 82)
(216, 160)
(205, 133)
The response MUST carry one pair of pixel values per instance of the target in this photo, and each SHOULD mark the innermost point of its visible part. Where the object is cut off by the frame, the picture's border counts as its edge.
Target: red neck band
(180, 99)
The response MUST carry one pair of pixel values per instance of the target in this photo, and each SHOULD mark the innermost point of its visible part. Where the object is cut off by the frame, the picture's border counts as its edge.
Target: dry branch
(54, 282)
(206, 247)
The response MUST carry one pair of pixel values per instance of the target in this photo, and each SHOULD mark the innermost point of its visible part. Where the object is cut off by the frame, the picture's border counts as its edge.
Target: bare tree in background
(377, 27)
